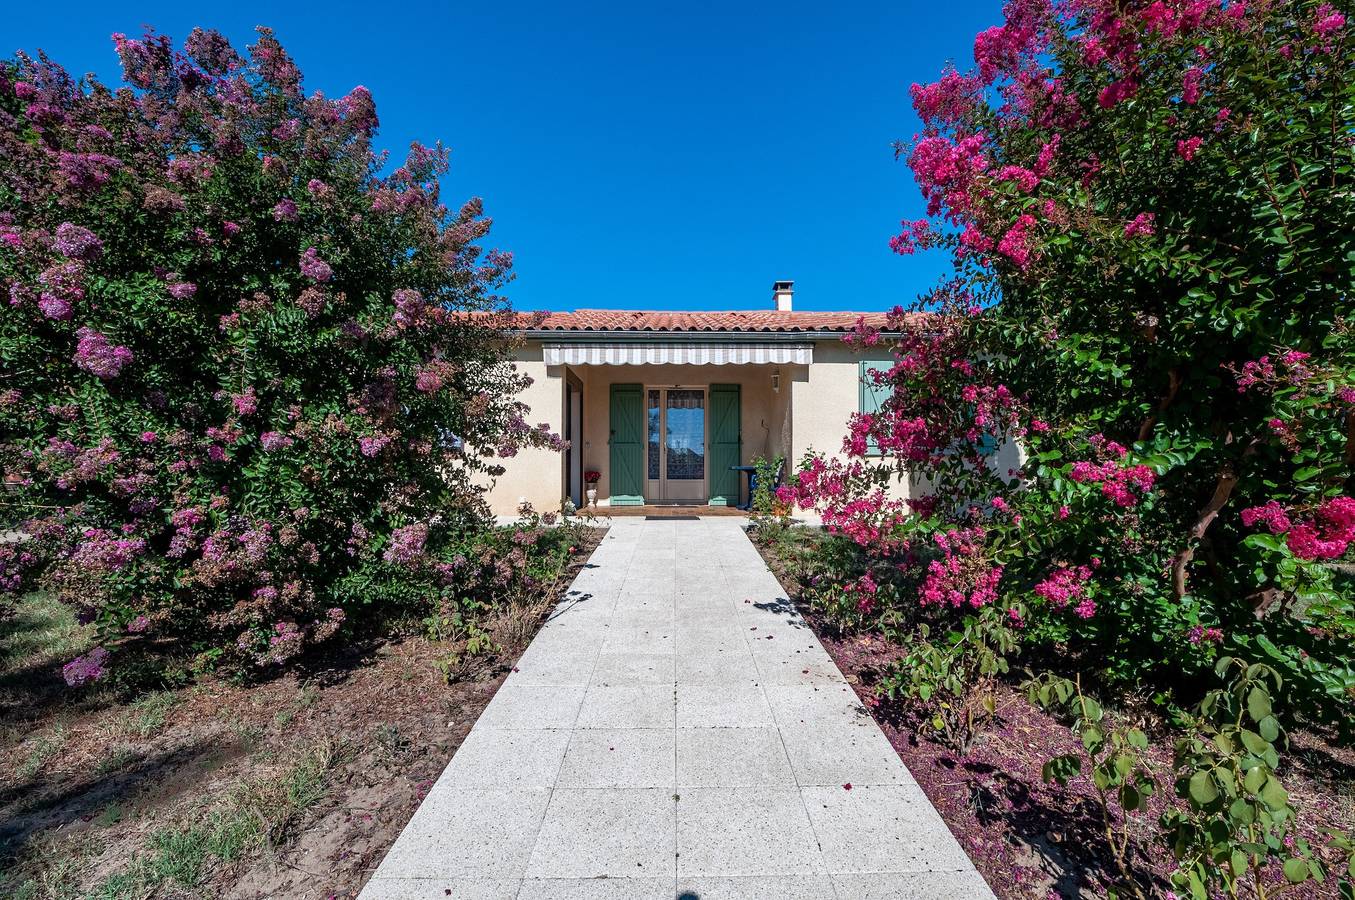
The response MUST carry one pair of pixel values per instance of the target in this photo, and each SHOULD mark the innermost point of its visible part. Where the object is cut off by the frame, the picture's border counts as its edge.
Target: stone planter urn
(590, 483)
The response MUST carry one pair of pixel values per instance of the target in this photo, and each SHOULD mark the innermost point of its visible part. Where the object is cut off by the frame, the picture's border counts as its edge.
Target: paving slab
(675, 730)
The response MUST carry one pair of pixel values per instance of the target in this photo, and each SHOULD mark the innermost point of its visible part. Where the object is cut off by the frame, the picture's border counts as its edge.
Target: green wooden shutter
(726, 444)
(627, 445)
(872, 395)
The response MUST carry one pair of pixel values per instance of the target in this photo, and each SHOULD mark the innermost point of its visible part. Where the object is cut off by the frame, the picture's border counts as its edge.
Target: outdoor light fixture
(776, 382)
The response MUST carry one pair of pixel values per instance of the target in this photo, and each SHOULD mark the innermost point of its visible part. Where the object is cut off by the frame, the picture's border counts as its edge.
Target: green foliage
(951, 679)
(767, 470)
(1236, 816)
(1114, 760)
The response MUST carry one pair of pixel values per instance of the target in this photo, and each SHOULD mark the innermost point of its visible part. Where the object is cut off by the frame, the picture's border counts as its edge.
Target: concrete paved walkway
(675, 730)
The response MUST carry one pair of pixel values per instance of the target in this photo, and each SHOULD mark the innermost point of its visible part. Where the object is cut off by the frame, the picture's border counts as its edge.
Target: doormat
(672, 518)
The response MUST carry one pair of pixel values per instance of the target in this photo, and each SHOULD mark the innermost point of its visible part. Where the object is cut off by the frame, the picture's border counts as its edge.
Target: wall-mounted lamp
(776, 382)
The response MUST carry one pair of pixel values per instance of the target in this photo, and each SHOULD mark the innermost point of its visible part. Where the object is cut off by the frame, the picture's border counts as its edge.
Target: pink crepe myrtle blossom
(1190, 85)
(1142, 225)
(963, 576)
(230, 229)
(1199, 634)
(1122, 483)
(1327, 21)
(915, 235)
(947, 100)
(1017, 243)
(1186, 149)
(1023, 178)
(1067, 586)
(1324, 533)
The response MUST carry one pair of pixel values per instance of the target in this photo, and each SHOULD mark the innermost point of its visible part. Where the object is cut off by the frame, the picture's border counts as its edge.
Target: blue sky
(631, 157)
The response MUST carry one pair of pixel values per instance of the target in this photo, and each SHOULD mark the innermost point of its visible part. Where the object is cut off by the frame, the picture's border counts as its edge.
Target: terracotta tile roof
(739, 320)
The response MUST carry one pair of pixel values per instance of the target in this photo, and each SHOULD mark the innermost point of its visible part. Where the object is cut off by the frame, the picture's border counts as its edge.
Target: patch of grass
(109, 816)
(305, 699)
(259, 812)
(40, 630)
(148, 715)
(40, 752)
(178, 856)
(115, 761)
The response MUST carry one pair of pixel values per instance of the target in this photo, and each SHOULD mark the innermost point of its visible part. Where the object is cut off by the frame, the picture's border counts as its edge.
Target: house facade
(665, 405)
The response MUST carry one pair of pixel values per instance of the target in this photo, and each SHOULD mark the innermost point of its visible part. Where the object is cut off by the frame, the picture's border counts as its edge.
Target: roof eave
(721, 337)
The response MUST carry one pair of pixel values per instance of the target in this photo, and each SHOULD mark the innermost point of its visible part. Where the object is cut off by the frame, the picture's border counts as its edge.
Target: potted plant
(590, 479)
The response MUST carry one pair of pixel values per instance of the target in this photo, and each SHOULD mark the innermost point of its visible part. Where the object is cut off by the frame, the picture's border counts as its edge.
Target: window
(872, 395)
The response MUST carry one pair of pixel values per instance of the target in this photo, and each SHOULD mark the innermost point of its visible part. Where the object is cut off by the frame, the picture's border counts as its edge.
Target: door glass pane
(686, 435)
(652, 451)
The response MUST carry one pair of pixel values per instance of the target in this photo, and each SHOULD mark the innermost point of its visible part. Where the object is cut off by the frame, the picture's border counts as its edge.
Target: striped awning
(686, 353)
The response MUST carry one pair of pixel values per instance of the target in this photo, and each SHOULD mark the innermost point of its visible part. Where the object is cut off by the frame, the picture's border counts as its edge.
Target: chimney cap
(782, 285)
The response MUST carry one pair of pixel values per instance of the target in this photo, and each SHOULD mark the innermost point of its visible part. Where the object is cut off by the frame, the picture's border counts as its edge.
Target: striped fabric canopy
(690, 354)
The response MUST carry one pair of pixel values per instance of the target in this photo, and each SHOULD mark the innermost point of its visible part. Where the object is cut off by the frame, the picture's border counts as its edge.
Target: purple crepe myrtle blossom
(409, 307)
(84, 669)
(87, 171)
(285, 210)
(77, 242)
(230, 229)
(315, 268)
(273, 440)
(245, 403)
(97, 356)
(182, 290)
(55, 308)
(371, 445)
(406, 544)
(138, 625)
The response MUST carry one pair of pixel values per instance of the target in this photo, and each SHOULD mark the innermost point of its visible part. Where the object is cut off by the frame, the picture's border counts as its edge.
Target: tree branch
(1223, 489)
(1174, 385)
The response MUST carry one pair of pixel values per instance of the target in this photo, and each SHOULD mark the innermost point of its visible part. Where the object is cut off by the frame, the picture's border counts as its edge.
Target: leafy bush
(1237, 817)
(251, 382)
(952, 679)
(1114, 759)
(1148, 207)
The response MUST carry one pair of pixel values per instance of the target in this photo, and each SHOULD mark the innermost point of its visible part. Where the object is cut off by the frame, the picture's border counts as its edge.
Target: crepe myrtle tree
(1150, 212)
(250, 382)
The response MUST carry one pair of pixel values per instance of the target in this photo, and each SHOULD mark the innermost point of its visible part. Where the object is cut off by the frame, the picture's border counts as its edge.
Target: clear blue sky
(630, 157)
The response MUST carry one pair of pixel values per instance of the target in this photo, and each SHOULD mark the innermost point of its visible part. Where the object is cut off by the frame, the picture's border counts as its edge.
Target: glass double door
(675, 453)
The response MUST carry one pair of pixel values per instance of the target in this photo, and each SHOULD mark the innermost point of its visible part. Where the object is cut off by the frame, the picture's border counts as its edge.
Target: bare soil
(86, 785)
(1036, 841)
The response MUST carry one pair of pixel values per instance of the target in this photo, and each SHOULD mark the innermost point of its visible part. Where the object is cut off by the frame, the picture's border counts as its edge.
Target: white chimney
(782, 292)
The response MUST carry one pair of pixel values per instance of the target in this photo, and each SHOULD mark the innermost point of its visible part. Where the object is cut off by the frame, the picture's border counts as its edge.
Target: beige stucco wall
(824, 398)
(535, 474)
